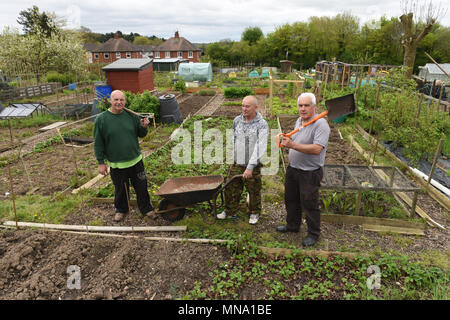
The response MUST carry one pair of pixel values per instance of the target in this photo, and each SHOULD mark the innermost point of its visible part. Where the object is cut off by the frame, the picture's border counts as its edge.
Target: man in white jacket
(250, 134)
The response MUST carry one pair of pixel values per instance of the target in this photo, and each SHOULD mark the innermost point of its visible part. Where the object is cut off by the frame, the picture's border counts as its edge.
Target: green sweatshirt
(116, 137)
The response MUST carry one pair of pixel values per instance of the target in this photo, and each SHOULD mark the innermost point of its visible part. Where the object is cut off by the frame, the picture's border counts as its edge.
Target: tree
(417, 21)
(380, 42)
(45, 46)
(252, 35)
(141, 40)
(34, 22)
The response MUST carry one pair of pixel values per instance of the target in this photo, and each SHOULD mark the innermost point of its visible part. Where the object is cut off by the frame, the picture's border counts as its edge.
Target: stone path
(212, 106)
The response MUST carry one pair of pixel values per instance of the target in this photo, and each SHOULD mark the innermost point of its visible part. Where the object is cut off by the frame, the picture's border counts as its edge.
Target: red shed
(134, 75)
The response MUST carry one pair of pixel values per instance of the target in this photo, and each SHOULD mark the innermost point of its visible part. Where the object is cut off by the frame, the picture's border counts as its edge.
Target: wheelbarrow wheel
(171, 216)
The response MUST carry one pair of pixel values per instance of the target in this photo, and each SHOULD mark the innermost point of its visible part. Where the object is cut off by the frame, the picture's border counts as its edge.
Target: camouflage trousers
(233, 191)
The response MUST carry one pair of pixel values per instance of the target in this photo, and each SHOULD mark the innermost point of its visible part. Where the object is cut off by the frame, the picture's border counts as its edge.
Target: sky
(200, 21)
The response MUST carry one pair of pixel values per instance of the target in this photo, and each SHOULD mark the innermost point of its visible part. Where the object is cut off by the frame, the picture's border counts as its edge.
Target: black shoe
(309, 241)
(285, 229)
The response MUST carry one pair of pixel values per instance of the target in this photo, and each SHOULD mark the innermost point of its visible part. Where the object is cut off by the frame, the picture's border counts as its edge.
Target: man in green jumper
(116, 144)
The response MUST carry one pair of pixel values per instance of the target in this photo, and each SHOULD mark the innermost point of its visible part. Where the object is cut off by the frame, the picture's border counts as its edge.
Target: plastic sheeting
(195, 71)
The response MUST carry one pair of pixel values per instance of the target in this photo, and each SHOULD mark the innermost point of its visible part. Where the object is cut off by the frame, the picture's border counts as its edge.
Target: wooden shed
(134, 75)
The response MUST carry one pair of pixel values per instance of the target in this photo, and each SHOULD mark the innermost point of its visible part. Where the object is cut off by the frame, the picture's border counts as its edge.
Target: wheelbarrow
(337, 108)
(181, 193)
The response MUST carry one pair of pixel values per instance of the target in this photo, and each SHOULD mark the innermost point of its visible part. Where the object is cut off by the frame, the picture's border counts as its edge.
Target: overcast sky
(199, 21)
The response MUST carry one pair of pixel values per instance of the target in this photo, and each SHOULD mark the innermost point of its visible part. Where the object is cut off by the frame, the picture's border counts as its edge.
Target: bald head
(117, 100)
(249, 106)
(250, 100)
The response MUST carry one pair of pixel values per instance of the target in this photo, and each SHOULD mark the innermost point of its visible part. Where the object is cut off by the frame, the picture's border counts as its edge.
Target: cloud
(198, 21)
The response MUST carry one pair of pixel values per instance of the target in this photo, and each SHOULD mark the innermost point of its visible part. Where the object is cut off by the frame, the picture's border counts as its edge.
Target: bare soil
(233, 111)
(35, 263)
(192, 104)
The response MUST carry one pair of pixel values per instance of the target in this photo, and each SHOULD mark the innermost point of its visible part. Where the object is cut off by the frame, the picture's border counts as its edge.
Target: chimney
(176, 34)
(116, 35)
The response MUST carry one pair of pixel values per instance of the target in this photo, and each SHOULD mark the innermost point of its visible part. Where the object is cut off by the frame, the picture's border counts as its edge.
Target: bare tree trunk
(409, 58)
(412, 38)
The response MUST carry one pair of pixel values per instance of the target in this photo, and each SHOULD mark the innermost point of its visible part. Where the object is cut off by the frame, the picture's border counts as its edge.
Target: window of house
(191, 54)
(157, 54)
(106, 55)
(167, 54)
(95, 55)
(128, 55)
(180, 54)
(118, 55)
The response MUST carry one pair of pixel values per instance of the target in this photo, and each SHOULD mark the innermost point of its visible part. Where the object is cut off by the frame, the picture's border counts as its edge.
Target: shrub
(234, 92)
(141, 103)
(65, 78)
(180, 85)
(205, 93)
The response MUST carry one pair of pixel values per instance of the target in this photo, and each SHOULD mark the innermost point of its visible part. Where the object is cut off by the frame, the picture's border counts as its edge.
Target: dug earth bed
(192, 104)
(35, 266)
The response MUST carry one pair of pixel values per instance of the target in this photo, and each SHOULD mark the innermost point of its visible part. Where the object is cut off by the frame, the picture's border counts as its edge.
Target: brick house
(177, 47)
(134, 75)
(114, 49)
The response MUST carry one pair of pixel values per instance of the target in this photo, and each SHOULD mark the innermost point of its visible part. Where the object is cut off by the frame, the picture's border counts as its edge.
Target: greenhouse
(195, 71)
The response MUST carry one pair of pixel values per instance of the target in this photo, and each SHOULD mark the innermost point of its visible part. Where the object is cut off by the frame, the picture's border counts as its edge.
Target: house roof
(433, 69)
(129, 64)
(145, 48)
(117, 45)
(176, 43)
(90, 46)
(169, 60)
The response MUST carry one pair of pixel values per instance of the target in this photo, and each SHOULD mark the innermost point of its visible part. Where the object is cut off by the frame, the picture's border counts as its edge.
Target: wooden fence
(28, 92)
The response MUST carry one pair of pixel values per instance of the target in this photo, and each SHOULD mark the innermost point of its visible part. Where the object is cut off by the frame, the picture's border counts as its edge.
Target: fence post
(436, 157)
(270, 93)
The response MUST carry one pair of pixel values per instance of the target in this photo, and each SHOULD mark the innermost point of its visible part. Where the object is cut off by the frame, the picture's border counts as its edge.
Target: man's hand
(103, 169)
(145, 122)
(247, 174)
(286, 142)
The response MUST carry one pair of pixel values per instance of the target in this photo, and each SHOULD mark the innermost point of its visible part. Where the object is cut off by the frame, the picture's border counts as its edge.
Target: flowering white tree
(37, 53)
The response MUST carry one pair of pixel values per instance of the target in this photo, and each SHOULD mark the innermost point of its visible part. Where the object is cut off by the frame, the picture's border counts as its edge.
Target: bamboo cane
(436, 157)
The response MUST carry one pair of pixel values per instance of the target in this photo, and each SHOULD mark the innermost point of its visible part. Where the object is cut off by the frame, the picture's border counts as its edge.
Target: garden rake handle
(277, 137)
(131, 111)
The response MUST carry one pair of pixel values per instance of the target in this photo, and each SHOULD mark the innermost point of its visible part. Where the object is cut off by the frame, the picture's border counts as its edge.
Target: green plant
(180, 85)
(234, 92)
(205, 93)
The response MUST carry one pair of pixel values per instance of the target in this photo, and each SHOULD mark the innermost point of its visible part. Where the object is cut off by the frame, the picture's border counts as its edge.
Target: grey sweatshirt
(249, 140)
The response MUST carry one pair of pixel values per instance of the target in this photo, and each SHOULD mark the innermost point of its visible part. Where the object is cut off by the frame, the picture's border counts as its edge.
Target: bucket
(103, 91)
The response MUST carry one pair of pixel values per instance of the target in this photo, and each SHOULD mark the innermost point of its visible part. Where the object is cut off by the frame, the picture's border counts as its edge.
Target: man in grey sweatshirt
(250, 134)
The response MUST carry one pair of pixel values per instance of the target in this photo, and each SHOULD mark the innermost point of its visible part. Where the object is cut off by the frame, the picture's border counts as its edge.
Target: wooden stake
(436, 157)
(343, 76)
(10, 132)
(13, 196)
(375, 151)
(270, 93)
(419, 106)
(50, 226)
(326, 81)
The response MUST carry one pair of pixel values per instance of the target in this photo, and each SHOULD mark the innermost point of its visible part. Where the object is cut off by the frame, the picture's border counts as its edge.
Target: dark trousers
(301, 193)
(121, 179)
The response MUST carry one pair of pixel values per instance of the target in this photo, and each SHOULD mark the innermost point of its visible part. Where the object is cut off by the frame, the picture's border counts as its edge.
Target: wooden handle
(277, 137)
(131, 111)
